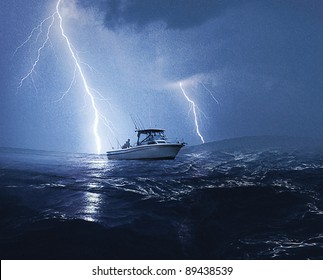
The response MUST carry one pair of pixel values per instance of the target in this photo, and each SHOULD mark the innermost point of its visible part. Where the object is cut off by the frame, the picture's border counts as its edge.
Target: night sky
(252, 67)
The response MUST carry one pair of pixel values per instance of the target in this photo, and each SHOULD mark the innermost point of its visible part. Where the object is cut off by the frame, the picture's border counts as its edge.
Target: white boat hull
(152, 151)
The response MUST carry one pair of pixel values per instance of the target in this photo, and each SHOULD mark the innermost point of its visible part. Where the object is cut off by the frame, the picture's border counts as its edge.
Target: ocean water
(232, 202)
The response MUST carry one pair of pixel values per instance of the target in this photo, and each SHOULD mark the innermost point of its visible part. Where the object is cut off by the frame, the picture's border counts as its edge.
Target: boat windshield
(151, 137)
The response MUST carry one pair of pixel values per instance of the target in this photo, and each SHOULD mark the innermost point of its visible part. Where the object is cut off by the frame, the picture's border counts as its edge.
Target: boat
(151, 144)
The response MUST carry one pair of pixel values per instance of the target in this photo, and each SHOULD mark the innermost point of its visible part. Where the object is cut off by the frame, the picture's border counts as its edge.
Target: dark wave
(225, 201)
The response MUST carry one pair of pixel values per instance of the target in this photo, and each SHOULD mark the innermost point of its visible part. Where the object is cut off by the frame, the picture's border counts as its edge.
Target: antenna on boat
(137, 122)
(141, 125)
(149, 117)
(118, 143)
(134, 122)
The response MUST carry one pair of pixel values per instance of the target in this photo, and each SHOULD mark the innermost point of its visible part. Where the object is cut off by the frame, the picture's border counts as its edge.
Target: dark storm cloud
(262, 59)
(176, 14)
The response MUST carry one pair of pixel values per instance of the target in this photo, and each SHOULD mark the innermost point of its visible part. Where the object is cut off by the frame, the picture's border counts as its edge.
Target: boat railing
(158, 141)
(175, 140)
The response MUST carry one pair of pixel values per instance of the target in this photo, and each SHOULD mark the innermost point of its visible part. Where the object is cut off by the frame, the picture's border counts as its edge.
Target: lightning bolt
(32, 70)
(194, 108)
(77, 70)
(69, 88)
(210, 92)
(87, 89)
(27, 40)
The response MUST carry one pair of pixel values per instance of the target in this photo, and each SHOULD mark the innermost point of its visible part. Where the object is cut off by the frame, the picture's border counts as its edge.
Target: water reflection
(92, 203)
(95, 169)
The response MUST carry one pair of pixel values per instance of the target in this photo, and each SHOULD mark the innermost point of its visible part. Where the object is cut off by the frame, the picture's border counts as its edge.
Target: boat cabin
(150, 136)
